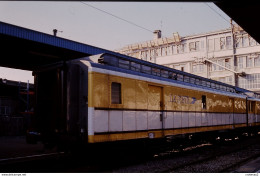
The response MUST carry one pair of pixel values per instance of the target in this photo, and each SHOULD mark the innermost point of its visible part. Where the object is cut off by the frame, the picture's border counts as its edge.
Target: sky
(110, 25)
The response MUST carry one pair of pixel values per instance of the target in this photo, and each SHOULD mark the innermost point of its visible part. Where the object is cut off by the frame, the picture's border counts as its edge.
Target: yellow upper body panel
(144, 95)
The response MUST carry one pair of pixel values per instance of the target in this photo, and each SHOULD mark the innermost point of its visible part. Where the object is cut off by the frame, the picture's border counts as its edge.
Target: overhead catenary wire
(127, 21)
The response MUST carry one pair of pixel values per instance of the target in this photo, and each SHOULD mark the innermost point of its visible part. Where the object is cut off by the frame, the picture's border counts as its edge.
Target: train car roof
(112, 62)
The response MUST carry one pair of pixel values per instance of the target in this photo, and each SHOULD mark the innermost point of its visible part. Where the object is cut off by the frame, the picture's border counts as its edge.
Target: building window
(164, 51)
(249, 81)
(222, 43)
(143, 55)
(197, 68)
(185, 47)
(217, 44)
(227, 63)
(169, 50)
(116, 93)
(174, 49)
(249, 62)
(229, 80)
(200, 67)
(245, 41)
(213, 67)
(197, 44)
(257, 61)
(194, 46)
(211, 45)
(223, 79)
(194, 68)
(252, 41)
(151, 52)
(158, 51)
(238, 42)
(228, 42)
(180, 48)
(202, 44)
(221, 62)
(203, 101)
(240, 61)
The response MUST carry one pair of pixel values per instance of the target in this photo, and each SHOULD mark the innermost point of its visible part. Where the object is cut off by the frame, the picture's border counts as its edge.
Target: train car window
(116, 93)
(203, 101)
(156, 71)
(198, 81)
(135, 67)
(111, 60)
(213, 85)
(208, 84)
(146, 69)
(180, 77)
(221, 87)
(186, 79)
(228, 89)
(217, 87)
(224, 88)
(123, 64)
(171, 74)
(204, 83)
(192, 80)
(164, 73)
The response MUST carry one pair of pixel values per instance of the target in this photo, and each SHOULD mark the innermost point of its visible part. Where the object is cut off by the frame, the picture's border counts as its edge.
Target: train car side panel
(154, 109)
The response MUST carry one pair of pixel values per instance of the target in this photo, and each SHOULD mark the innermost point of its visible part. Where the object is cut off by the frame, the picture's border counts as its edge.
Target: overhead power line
(218, 13)
(127, 21)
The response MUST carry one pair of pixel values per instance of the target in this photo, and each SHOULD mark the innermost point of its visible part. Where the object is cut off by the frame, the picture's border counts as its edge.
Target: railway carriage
(107, 98)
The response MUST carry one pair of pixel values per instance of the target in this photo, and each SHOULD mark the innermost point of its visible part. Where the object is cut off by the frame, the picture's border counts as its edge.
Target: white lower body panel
(103, 121)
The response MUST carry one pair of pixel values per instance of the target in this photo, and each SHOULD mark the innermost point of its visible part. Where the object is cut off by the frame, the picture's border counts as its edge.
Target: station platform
(16, 146)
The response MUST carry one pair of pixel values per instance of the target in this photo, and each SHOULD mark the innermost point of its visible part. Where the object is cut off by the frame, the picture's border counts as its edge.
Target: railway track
(220, 162)
(31, 163)
(200, 158)
(6, 161)
(206, 158)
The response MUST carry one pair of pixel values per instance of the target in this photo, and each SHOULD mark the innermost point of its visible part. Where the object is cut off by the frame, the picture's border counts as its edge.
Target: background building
(16, 102)
(229, 55)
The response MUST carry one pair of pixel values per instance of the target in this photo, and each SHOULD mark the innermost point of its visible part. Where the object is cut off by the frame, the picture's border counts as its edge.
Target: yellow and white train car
(115, 97)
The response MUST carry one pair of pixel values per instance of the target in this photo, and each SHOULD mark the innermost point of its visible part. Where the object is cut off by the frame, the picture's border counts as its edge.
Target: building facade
(16, 104)
(230, 55)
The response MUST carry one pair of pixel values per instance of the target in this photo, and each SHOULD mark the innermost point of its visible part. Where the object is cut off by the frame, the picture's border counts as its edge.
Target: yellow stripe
(157, 134)
(254, 124)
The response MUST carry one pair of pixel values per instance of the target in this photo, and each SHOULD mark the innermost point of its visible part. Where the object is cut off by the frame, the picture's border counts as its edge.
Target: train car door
(50, 101)
(77, 100)
(155, 108)
(251, 113)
